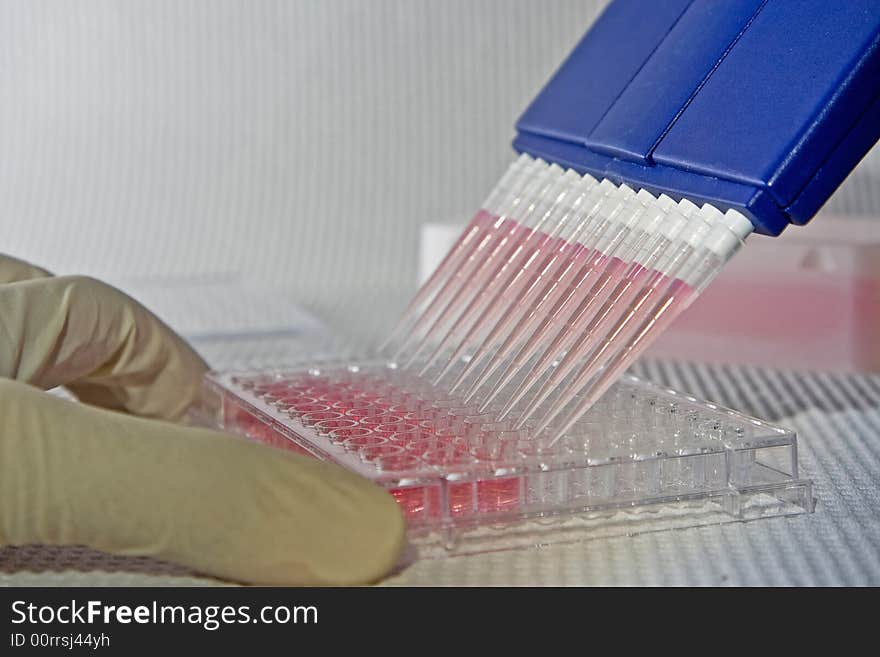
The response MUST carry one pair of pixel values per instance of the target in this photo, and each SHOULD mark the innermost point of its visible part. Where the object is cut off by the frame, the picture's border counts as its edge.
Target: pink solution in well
(397, 433)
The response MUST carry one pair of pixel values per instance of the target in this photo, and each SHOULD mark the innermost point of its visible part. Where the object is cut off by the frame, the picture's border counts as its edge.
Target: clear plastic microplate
(642, 459)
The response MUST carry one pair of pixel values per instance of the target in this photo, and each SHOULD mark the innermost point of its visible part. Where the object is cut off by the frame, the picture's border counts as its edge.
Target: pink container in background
(809, 299)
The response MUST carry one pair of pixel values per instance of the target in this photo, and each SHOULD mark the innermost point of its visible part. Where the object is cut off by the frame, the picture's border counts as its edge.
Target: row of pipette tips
(558, 273)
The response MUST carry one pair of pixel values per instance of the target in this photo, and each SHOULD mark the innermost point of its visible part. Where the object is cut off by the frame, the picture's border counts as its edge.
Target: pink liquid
(481, 224)
(567, 332)
(646, 324)
(560, 255)
(474, 282)
(515, 303)
(633, 290)
(508, 273)
(500, 311)
(528, 313)
(494, 495)
(596, 264)
(598, 344)
(475, 273)
(417, 501)
(492, 240)
(239, 418)
(390, 428)
(453, 456)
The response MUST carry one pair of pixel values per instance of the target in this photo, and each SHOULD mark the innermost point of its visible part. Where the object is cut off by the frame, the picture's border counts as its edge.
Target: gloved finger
(13, 269)
(75, 474)
(102, 345)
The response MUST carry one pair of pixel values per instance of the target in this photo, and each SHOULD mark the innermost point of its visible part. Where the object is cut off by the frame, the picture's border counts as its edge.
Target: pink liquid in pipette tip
(580, 343)
(467, 261)
(674, 300)
(558, 254)
(596, 233)
(548, 322)
(481, 223)
(469, 298)
(479, 290)
(510, 275)
(508, 295)
(636, 307)
(589, 261)
(526, 311)
(506, 305)
(579, 326)
(504, 233)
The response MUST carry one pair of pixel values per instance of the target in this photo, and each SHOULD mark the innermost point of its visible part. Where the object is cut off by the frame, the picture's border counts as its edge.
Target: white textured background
(293, 142)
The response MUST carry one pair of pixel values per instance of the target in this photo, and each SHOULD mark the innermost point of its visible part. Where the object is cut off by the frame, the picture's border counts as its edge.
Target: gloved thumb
(75, 474)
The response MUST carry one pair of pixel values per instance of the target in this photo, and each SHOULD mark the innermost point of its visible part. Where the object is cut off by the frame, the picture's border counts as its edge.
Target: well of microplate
(643, 459)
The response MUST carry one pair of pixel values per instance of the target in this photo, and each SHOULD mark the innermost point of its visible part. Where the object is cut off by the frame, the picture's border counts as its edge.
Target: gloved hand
(130, 481)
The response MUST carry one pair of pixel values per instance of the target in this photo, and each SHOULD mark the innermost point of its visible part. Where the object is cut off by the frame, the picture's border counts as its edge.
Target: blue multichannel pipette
(672, 131)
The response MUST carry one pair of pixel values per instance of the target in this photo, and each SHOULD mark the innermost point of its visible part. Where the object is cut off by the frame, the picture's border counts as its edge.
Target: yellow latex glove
(77, 474)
